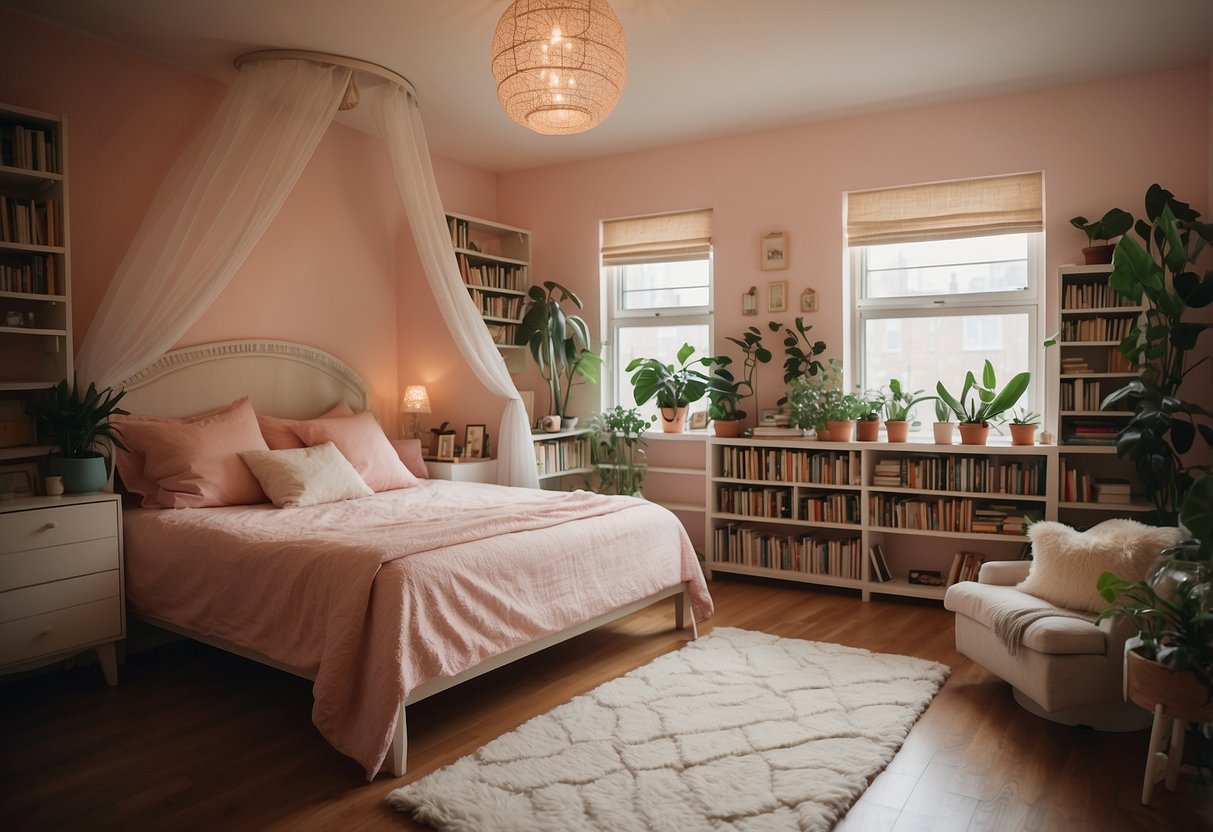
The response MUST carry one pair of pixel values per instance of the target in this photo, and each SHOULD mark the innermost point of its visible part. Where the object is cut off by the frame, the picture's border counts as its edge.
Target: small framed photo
(19, 480)
(473, 442)
(808, 300)
(749, 301)
(775, 251)
(777, 296)
(446, 446)
(699, 420)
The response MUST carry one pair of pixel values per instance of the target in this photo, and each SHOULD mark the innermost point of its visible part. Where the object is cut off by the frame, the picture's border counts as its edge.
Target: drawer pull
(47, 630)
(50, 525)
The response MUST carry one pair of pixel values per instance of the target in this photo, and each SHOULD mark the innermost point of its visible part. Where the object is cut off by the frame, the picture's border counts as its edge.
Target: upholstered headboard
(282, 379)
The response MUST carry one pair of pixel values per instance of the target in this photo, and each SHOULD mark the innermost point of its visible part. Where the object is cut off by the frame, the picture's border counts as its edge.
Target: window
(945, 276)
(657, 281)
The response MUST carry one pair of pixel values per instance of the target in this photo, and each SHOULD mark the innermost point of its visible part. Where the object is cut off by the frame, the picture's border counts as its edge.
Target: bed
(386, 599)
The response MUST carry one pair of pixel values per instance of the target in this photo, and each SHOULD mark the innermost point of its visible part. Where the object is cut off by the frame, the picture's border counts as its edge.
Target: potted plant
(867, 425)
(79, 425)
(899, 410)
(672, 387)
(990, 405)
(817, 400)
(1023, 427)
(559, 342)
(801, 353)
(841, 413)
(619, 450)
(1113, 224)
(944, 427)
(726, 392)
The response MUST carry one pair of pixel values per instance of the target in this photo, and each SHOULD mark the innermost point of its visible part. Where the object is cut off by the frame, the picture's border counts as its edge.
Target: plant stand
(1176, 699)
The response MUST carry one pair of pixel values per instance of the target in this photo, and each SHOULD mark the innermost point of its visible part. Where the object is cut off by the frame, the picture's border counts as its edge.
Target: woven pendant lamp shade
(560, 65)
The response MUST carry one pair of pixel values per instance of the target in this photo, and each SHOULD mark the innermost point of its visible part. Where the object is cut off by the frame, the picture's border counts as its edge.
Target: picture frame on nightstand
(473, 442)
(446, 446)
(20, 480)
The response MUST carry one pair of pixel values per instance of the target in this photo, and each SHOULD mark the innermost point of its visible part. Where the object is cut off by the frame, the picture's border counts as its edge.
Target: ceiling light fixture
(560, 65)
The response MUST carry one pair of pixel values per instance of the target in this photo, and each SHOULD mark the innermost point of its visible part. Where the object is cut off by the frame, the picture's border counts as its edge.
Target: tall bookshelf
(495, 263)
(1092, 320)
(562, 454)
(35, 271)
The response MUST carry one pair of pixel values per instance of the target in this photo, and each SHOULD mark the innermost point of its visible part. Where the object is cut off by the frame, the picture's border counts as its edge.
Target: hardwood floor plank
(194, 738)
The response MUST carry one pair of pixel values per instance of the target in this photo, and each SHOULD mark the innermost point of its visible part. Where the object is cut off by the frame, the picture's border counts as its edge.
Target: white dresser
(61, 587)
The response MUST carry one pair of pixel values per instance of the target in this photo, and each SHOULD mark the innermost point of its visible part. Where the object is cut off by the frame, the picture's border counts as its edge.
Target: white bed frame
(299, 382)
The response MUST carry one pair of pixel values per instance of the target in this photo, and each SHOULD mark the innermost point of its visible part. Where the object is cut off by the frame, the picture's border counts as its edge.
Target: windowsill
(685, 436)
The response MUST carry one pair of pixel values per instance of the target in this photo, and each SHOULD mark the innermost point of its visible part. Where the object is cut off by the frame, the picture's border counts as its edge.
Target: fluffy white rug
(736, 731)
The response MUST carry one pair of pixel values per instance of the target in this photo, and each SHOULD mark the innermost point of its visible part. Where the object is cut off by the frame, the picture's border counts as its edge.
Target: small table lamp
(416, 401)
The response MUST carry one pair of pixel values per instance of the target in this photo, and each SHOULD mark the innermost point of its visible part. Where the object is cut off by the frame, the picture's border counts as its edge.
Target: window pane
(664, 285)
(943, 267)
(660, 342)
(926, 351)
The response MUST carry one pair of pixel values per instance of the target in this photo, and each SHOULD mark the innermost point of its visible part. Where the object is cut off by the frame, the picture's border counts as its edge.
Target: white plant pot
(943, 432)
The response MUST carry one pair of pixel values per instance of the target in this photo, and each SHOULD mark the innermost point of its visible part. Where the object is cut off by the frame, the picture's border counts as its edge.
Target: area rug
(736, 731)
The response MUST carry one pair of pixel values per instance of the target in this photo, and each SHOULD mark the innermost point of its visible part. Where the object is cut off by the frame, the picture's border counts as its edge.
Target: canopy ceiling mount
(350, 101)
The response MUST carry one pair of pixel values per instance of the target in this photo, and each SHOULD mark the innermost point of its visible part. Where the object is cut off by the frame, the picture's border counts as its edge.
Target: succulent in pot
(672, 387)
(1023, 427)
(944, 426)
(79, 424)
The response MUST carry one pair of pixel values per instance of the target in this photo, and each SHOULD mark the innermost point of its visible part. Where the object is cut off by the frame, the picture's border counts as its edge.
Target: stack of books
(1075, 367)
(1112, 491)
(965, 566)
(887, 473)
(1092, 433)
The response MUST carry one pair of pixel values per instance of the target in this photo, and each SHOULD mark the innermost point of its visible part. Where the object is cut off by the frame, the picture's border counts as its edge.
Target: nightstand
(467, 470)
(61, 587)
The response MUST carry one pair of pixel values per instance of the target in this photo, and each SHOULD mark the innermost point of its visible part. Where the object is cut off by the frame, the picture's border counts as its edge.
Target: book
(880, 567)
(767, 430)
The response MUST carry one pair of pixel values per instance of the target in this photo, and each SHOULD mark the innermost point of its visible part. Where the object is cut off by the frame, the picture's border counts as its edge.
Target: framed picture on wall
(775, 251)
(777, 296)
(808, 300)
(473, 442)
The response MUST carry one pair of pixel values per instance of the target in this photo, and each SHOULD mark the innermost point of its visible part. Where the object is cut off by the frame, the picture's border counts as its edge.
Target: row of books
(839, 557)
(1096, 329)
(459, 232)
(965, 566)
(502, 333)
(948, 515)
(28, 148)
(1115, 362)
(1079, 486)
(36, 277)
(790, 465)
(566, 454)
(30, 222)
(498, 306)
(755, 501)
(1088, 432)
(948, 472)
(494, 275)
(830, 508)
(1101, 295)
(1082, 394)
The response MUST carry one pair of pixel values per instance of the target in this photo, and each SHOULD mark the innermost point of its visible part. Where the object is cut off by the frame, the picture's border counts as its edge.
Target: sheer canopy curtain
(400, 123)
(211, 210)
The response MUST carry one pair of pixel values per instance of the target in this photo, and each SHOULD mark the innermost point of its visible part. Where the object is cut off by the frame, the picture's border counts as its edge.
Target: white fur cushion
(306, 476)
(1066, 563)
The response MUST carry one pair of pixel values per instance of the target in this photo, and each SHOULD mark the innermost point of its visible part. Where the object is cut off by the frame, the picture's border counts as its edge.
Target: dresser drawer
(57, 595)
(60, 631)
(39, 566)
(43, 527)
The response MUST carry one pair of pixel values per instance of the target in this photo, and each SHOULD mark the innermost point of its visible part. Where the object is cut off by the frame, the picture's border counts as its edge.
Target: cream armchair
(1065, 668)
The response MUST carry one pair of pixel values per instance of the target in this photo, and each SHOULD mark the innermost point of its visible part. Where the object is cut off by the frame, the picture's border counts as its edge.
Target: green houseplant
(1113, 224)
(79, 424)
(817, 399)
(558, 341)
(989, 406)
(619, 450)
(944, 426)
(672, 387)
(871, 405)
(800, 353)
(1023, 427)
(899, 410)
(726, 391)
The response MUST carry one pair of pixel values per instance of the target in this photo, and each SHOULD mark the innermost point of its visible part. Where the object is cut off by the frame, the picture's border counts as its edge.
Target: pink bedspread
(375, 596)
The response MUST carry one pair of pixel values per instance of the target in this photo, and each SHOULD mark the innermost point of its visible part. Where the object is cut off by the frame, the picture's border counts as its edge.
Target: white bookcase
(562, 454)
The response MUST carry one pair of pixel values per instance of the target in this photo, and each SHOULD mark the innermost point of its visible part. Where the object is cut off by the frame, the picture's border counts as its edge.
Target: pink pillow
(361, 441)
(192, 462)
(409, 451)
(277, 431)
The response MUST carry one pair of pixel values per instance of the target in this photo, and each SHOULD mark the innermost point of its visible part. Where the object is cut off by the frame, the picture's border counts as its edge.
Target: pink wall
(1097, 143)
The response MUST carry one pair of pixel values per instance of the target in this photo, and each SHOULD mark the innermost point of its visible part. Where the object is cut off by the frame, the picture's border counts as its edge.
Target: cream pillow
(1067, 563)
(306, 476)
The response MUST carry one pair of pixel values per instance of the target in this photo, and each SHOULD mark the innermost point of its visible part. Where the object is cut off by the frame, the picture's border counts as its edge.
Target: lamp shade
(416, 399)
(560, 65)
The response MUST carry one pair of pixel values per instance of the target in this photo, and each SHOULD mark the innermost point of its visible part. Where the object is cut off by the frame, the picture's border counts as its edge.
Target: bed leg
(398, 751)
(683, 614)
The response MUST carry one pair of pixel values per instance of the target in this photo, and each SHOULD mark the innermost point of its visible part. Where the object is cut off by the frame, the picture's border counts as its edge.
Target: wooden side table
(1176, 698)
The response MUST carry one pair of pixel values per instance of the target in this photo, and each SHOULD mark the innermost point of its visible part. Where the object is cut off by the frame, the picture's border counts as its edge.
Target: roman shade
(664, 238)
(946, 210)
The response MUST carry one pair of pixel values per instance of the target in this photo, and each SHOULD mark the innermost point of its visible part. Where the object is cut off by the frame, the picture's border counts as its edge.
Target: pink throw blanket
(373, 597)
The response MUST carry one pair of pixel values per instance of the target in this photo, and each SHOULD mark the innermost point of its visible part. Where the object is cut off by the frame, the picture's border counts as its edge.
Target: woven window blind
(946, 210)
(665, 238)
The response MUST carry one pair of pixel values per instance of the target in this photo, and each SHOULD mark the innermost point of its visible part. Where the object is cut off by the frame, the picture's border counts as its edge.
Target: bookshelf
(1092, 320)
(562, 454)
(495, 263)
(35, 280)
(813, 512)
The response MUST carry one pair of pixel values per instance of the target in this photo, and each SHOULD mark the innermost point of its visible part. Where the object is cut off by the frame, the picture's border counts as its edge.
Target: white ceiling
(696, 68)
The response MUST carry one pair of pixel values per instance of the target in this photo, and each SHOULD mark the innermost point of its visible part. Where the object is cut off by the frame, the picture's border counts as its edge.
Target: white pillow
(1067, 563)
(305, 476)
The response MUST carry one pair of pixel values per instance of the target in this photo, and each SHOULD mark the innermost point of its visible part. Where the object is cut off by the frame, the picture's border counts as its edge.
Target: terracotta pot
(823, 434)
(1023, 434)
(973, 434)
(867, 430)
(673, 419)
(1179, 691)
(730, 429)
(840, 431)
(943, 432)
(898, 430)
(1097, 255)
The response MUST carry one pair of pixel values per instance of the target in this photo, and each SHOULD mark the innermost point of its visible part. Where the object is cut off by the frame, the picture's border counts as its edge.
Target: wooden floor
(197, 739)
